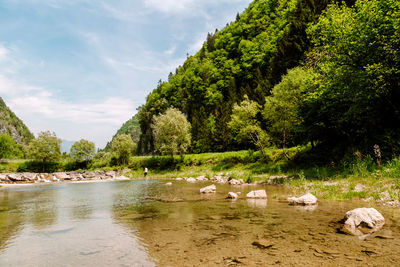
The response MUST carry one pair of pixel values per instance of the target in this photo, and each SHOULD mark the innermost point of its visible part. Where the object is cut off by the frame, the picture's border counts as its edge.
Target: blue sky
(81, 68)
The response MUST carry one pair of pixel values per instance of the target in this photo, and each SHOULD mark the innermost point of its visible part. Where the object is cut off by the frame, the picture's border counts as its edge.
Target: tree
(83, 150)
(356, 52)
(281, 107)
(8, 147)
(171, 132)
(245, 125)
(122, 146)
(46, 147)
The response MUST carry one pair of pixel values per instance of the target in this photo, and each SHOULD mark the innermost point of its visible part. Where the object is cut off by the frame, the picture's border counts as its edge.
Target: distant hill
(66, 146)
(10, 124)
(130, 127)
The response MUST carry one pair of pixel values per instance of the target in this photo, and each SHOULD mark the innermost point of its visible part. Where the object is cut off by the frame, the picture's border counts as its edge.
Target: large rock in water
(208, 189)
(257, 194)
(363, 221)
(232, 195)
(307, 199)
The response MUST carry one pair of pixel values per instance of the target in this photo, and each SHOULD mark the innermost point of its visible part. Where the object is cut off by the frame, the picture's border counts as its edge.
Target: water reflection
(257, 203)
(145, 223)
(64, 225)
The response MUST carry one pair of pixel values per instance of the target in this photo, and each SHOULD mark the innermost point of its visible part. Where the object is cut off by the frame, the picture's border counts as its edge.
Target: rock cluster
(27, 177)
(219, 179)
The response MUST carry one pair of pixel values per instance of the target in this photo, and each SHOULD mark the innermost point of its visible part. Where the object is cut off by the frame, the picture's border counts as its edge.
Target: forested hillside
(323, 72)
(131, 128)
(11, 125)
(247, 57)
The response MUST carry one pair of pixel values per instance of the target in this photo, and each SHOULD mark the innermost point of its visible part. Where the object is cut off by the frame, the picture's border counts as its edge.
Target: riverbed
(148, 223)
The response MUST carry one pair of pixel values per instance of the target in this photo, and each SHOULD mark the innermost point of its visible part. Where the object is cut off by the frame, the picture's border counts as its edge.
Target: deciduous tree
(171, 132)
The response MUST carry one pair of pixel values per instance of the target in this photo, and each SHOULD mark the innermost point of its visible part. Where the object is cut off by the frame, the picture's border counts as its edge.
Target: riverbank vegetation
(306, 90)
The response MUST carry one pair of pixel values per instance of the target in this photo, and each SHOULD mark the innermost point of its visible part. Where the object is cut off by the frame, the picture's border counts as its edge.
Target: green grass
(336, 181)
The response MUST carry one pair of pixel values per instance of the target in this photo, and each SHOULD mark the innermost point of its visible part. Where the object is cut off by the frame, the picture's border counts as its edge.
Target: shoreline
(13, 185)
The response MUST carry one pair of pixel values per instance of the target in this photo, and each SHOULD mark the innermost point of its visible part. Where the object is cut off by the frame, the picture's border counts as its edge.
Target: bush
(39, 166)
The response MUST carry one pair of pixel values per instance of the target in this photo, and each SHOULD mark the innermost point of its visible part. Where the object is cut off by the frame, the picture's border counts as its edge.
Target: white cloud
(43, 110)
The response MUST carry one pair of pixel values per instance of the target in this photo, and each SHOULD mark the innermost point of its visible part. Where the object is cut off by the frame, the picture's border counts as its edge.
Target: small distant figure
(145, 171)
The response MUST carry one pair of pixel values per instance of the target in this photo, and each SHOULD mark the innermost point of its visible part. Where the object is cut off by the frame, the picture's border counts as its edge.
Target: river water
(147, 223)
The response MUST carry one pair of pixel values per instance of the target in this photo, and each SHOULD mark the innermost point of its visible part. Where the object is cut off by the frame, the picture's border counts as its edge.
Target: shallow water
(146, 223)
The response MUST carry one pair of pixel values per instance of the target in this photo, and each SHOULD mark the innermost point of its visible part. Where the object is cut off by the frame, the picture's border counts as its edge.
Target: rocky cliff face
(10, 124)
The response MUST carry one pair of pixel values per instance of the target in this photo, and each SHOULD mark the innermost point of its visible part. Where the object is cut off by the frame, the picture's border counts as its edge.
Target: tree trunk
(284, 145)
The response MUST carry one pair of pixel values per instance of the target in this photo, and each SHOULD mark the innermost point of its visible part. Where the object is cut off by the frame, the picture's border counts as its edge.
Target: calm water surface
(146, 223)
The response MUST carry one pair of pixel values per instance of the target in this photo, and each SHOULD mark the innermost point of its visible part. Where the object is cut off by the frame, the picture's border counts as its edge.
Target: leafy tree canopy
(122, 146)
(172, 132)
(83, 150)
(46, 147)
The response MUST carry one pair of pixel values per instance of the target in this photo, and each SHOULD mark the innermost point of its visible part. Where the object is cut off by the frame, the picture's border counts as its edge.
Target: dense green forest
(324, 73)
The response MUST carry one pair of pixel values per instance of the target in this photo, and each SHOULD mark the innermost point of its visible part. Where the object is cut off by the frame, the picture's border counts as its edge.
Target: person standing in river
(145, 171)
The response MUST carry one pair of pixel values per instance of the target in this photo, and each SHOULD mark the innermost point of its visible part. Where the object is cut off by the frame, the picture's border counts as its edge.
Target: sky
(82, 68)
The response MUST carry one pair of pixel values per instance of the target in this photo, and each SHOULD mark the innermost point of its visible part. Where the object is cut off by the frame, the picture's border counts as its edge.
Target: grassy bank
(354, 178)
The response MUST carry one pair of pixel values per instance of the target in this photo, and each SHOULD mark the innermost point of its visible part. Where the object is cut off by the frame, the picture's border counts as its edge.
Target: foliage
(357, 55)
(40, 166)
(11, 125)
(171, 132)
(9, 148)
(45, 148)
(281, 108)
(131, 128)
(122, 146)
(247, 57)
(245, 125)
(83, 150)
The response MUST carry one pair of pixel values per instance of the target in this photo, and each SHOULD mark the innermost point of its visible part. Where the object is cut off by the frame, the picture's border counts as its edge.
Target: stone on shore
(257, 194)
(208, 189)
(219, 179)
(236, 182)
(62, 176)
(15, 177)
(169, 183)
(179, 179)
(202, 178)
(232, 195)
(363, 221)
(307, 199)
(191, 180)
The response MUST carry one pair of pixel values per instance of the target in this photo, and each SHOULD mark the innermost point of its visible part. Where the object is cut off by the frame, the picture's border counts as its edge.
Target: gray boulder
(362, 221)
(208, 189)
(257, 194)
(307, 199)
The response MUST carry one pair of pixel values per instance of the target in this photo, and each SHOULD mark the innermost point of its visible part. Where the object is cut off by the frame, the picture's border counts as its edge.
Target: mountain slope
(131, 128)
(247, 57)
(11, 125)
